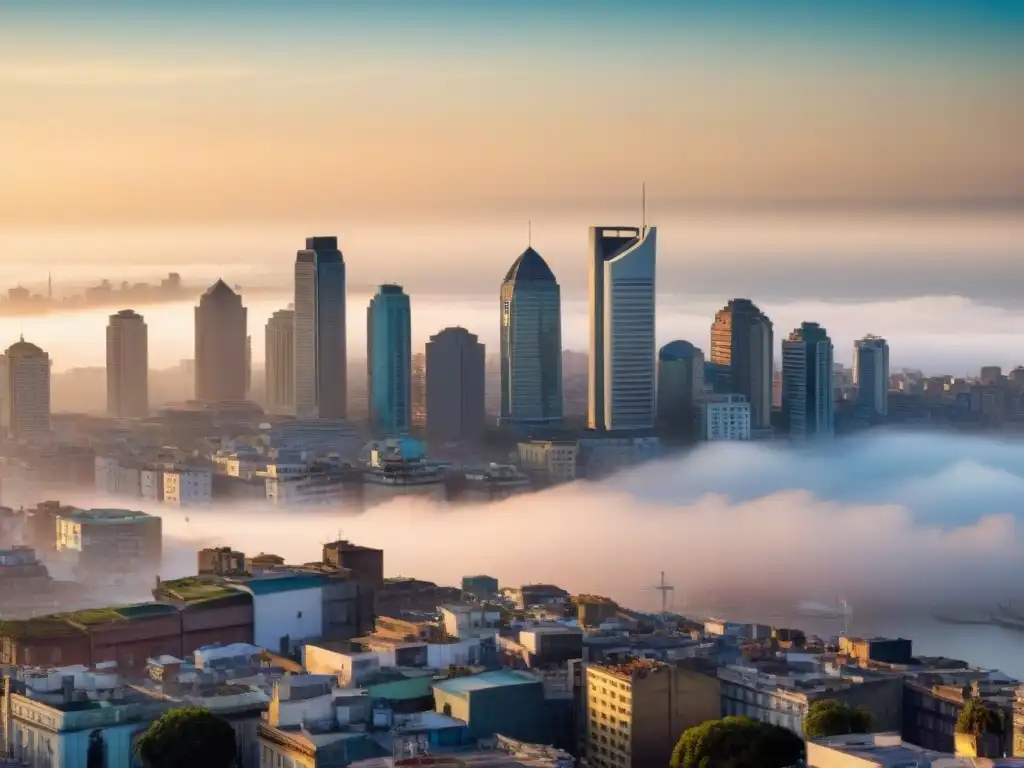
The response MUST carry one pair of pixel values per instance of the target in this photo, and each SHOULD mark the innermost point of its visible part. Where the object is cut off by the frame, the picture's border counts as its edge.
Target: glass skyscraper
(871, 376)
(321, 354)
(531, 345)
(808, 399)
(622, 352)
(742, 340)
(389, 361)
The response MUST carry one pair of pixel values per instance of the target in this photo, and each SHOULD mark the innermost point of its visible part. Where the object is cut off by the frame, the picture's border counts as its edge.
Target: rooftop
(530, 266)
(288, 582)
(196, 589)
(887, 750)
(104, 515)
(460, 686)
(630, 669)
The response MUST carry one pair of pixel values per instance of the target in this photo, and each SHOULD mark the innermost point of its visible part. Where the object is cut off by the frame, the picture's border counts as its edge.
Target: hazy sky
(116, 112)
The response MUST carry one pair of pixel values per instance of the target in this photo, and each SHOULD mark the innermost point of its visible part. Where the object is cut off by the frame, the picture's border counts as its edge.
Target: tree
(188, 736)
(737, 742)
(829, 717)
(976, 719)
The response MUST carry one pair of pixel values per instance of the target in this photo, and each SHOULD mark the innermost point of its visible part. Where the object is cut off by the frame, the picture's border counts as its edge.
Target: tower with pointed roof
(221, 333)
(531, 345)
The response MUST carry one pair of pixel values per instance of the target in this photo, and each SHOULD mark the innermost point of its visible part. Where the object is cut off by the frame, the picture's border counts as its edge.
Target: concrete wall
(297, 614)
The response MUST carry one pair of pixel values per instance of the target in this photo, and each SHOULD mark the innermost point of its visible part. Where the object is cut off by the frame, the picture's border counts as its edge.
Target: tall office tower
(741, 338)
(248, 366)
(127, 364)
(321, 351)
(531, 344)
(808, 396)
(871, 375)
(419, 390)
(280, 361)
(389, 360)
(680, 385)
(455, 386)
(220, 345)
(25, 383)
(622, 353)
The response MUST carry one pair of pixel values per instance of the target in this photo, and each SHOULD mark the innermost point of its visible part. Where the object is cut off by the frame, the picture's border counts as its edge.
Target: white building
(469, 621)
(724, 417)
(25, 391)
(287, 609)
(186, 487)
(151, 484)
(127, 365)
(622, 342)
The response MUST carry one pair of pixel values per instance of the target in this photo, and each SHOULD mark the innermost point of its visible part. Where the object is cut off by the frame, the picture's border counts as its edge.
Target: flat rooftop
(197, 589)
(501, 678)
(99, 516)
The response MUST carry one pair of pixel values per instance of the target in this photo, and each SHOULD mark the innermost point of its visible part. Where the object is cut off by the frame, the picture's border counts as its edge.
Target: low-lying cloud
(888, 521)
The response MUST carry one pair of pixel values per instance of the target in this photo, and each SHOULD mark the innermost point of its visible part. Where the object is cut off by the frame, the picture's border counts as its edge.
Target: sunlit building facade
(127, 365)
(622, 346)
(531, 345)
(279, 365)
(742, 339)
(221, 346)
(25, 391)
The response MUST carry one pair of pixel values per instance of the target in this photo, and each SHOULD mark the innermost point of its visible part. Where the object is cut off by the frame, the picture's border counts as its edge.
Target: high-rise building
(321, 352)
(622, 352)
(808, 397)
(389, 360)
(25, 382)
(742, 339)
(127, 365)
(680, 385)
(455, 386)
(280, 361)
(419, 390)
(871, 375)
(531, 344)
(221, 369)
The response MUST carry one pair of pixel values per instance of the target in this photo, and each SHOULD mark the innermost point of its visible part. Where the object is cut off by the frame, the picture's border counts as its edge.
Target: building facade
(419, 390)
(127, 365)
(221, 344)
(808, 399)
(389, 360)
(622, 347)
(110, 541)
(724, 417)
(531, 344)
(742, 339)
(186, 487)
(680, 385)
(280, 361)
(321, 351)
(871, 376)
(25, 391)
(455, 386)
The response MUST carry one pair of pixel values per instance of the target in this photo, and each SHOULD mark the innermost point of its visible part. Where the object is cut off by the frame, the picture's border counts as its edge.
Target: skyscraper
(127, 365)
(221, 369)
(680, 385)
(742, 339)
(321, 353)
(808, 399)
(389, 360)
(419, 390)
(871, 376)
(531, 344)
(455, 386)
(280, 361)
(25, 395)
(622, 352)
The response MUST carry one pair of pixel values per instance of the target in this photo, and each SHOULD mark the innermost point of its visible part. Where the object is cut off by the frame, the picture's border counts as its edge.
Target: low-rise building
(480, 586)
(553, 460)
(110, 543)
(507, 702)
(635, 711)
(887, 750)
(469, 621)
(188, 487)
(723, 417)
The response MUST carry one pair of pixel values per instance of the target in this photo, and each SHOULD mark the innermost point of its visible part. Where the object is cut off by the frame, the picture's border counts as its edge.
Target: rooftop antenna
(664, 587)
(529, 234)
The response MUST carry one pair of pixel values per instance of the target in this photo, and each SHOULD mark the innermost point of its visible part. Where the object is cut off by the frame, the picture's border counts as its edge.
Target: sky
(188, 113)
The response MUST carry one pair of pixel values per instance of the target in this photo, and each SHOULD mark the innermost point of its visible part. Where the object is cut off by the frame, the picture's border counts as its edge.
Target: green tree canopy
(737, 742)
(188, 736)
(829, 717)
(976, 718)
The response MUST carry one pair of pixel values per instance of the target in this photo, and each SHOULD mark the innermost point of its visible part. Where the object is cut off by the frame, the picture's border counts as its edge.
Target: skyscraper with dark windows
(321, 353)
(871, 376)
(389, 361)
(622, 346)
(680, 385)
(221, 344)
(808, 396)
(455, 386)
(531, 345)
(742, 339)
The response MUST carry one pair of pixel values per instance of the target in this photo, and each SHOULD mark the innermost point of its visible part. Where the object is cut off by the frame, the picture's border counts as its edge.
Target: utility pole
(664, 587)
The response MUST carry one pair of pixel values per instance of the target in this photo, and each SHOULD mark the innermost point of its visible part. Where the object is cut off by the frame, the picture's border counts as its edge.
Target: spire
(529, 234)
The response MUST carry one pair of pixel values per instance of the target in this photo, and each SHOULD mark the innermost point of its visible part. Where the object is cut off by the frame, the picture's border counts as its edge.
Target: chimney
(67, 687)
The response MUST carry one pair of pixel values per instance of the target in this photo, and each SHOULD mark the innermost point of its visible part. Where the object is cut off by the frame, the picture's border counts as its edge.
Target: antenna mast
(643, 206)
(664, 587)
(529, 234)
